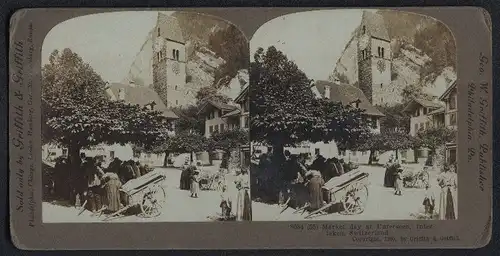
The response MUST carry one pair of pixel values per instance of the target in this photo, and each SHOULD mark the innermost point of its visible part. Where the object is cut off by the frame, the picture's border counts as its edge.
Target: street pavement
(382, 204)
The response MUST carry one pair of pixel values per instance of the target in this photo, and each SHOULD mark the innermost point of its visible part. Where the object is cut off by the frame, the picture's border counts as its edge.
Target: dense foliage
(77, 112)
(285, 111)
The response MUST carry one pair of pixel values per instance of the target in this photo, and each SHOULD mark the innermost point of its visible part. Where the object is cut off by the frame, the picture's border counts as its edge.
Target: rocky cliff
(211, 44)
(424, 54)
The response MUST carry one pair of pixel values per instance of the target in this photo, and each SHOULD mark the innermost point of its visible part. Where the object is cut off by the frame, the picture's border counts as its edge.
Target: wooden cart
(350, 189)
(145, 192)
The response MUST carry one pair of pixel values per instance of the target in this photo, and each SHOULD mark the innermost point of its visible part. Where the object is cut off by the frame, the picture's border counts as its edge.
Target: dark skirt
(112, 189)
(315, 194)
(389, 177)
(247, 207)
(450, 208)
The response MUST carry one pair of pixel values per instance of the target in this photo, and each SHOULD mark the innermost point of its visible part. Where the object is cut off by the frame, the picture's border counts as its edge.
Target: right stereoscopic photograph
(353, 117)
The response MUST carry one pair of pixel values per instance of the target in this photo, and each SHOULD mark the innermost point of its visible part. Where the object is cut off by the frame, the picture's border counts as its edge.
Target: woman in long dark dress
(111, 197)
(314, 185)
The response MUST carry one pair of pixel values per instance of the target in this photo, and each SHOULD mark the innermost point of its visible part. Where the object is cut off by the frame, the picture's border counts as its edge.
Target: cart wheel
(355, 199)
(152, 201)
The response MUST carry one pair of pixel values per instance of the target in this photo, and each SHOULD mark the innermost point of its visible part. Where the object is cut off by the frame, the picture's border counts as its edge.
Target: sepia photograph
(353, 117)
(145, 118)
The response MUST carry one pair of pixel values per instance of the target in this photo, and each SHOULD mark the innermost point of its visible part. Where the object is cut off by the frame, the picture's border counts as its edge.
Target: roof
(217, 105)
(448, 90)
(375, 25)
(235, 112)
(421, 102)
(242, 95)
(142, 95)
(346, 94)
(437, 111)
(169, 28)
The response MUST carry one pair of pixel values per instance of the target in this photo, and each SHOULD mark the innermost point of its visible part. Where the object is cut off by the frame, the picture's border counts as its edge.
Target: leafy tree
(433, 138)
(386, 141)
(77, 113)
(285, 111)
(189, 119)
(210, 93)
(227, 141)
(394, 119)
(412, 91)
(185, 142)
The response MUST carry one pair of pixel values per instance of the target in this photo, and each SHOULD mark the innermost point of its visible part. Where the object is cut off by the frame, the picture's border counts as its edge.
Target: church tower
(375, 60)
(169, 61)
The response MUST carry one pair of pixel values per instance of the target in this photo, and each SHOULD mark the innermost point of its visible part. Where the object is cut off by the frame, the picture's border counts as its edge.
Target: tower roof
(375, 25)
(169, 28)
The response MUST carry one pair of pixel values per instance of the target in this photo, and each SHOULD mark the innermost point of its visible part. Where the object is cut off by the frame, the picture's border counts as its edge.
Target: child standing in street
(398, 182)
(195, 183)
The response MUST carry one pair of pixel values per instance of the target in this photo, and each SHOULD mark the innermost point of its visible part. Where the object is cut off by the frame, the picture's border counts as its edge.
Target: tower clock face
(175, 68)
(381, 65)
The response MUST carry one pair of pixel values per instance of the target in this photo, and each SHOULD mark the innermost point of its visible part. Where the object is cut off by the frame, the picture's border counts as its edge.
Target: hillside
(423, 52)
(215, 50)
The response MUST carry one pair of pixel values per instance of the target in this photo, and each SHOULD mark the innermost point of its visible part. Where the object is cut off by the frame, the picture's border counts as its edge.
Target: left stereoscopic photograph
(145, 119)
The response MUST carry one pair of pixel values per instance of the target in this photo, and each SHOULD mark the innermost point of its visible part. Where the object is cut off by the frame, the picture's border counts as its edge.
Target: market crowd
(292, 178)
(91, 185)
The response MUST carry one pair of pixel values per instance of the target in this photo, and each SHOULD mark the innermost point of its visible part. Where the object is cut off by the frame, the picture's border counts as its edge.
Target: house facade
(424, 114)
(220, 117)
(449, 97)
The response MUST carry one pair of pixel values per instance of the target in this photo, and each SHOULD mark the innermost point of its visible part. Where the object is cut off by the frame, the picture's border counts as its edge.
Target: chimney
(327, 91)
(121, 94)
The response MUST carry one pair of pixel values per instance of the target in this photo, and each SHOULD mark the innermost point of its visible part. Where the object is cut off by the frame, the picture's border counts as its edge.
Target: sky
(108, 42)
(313, 40)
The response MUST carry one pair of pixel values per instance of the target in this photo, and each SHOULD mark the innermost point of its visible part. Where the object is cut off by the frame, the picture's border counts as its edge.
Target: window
(220, 113)
(425, 111)
(112, 154)
(381, 85)
(176, 54)
(453, 118)
(221, 127)
(427, 125)
(176, 102)
(421, 126)
(364, 30)
(452, 156)
(416, 128)
(354, 153)
(210, 129)
(316, 151)
(216, 128)
(374, 123)
(65, 151)
(453, 102)
(173, 54)
(158, 31)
